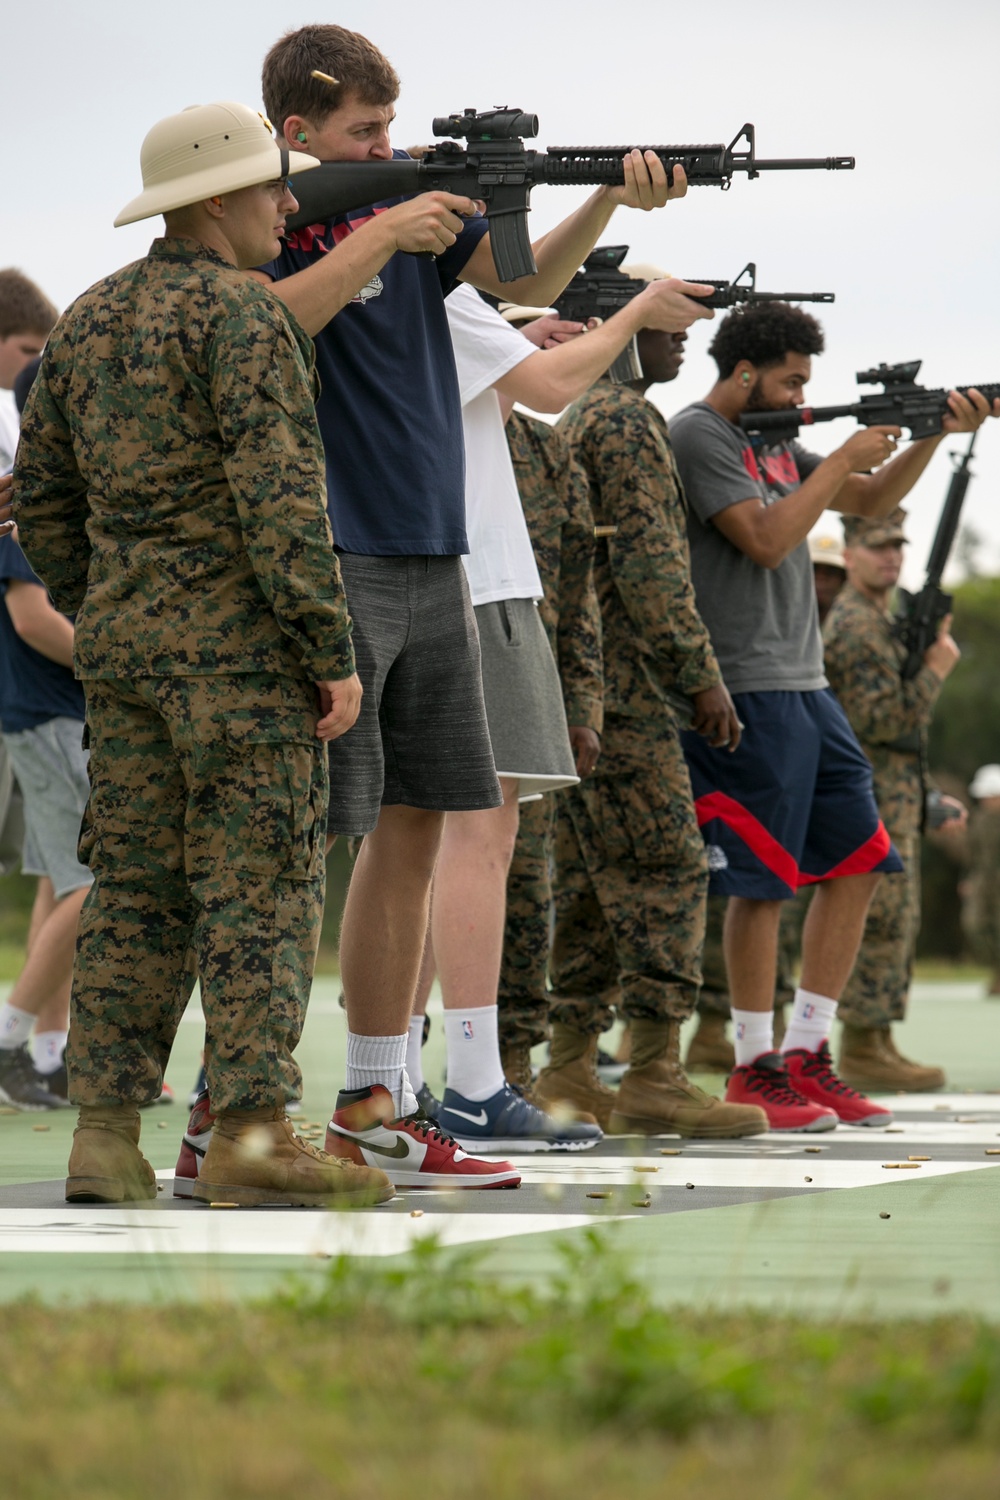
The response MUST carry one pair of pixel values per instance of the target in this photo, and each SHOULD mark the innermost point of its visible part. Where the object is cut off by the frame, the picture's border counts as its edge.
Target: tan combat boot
(710, 1049)
(869, 1061)
(105, 1163)
(655, 1095)
(515, 1059)
(255, 1157)
(570, 1081)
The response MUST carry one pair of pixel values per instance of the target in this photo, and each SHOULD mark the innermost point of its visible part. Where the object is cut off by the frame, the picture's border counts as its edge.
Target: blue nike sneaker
(507, 1122)
(428, 1102)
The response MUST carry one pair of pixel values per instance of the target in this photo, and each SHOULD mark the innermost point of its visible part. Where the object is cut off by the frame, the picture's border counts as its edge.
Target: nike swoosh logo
(480, 1119)
(400, 1151)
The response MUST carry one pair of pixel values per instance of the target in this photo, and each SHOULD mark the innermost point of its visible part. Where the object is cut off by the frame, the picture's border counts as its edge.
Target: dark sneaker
(428, 1103)
(507, 1122)
(193, 1147)
(765, 1082)
(812, 1074)
(411, 1151)
(58, 1082)
(21, 1085)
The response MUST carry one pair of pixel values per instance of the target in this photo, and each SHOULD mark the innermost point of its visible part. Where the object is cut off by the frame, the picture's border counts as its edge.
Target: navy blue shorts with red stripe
(793, 805)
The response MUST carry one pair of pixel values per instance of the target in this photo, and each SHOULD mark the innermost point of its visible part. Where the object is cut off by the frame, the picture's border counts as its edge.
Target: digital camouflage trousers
(631, 877)
(877, 991)
(522, 994)
(205, 833)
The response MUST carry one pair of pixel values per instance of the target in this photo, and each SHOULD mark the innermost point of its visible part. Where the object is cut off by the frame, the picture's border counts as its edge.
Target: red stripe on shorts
(751, 831)
(872, 852)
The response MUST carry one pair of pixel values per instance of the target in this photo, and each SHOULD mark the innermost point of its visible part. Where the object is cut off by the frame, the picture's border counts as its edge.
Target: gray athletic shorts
(421, 739)
(50, 764)
(524, 701)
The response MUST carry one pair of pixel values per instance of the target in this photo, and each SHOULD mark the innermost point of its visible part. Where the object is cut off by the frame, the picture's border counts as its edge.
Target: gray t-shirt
(763, 622)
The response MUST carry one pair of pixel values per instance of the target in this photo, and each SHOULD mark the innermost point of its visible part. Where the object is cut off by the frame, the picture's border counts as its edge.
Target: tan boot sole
(261, 1197)
(641, 1125)
(887, 1085)
(107, 1190)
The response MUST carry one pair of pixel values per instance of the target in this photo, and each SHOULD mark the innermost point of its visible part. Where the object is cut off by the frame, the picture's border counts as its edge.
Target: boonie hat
(986, 782)
(205, 150)
(866, 531)
(826, 552)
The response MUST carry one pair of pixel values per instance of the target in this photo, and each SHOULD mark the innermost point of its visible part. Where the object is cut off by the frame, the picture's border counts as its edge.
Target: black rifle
(496, 167)
(601, 288)
(902, 403)
(919, 615)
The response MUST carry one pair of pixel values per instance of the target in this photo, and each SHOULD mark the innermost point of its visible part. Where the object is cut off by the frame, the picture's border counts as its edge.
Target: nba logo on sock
(740, 1031)
(467, 1030)
(808, 1011)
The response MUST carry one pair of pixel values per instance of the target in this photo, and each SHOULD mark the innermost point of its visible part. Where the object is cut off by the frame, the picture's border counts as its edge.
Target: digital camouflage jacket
(889, 716)
(654, 638)
(553, 491)
(170, 485)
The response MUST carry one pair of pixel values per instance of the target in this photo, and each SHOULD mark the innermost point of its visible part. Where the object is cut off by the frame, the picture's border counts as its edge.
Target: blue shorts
(793, 805)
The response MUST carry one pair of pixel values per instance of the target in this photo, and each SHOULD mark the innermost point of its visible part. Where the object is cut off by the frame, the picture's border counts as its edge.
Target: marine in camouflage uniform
(981, 889)
(631, 871)
(170, 493)
(556, 502)
(890, 717)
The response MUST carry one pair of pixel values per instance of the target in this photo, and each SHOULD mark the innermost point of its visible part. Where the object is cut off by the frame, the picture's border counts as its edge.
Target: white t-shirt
(9, 427)
(500, 563)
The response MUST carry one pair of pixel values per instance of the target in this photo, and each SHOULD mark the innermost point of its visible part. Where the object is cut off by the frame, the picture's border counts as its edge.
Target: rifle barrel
(798, 164)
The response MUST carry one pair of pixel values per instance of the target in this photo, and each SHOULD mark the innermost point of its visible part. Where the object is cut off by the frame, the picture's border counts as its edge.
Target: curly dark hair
(764, 334)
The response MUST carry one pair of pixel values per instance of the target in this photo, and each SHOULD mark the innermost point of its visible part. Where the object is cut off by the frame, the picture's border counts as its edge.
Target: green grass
(423, 1375)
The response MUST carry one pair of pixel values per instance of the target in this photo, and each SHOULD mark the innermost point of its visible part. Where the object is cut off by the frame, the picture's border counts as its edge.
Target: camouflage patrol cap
(865, 531)
(205, 150)
(826, 552)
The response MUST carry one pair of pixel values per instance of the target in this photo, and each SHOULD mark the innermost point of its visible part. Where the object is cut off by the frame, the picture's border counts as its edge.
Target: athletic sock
(380, 1059)
(414, 1049)
(47, 1048)
(753, 1034)
(473, 1044)
(812, 1017)
(15, 1026)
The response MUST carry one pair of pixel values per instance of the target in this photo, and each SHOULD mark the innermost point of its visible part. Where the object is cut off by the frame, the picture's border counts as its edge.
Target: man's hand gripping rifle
(601, 288)
(495, 166)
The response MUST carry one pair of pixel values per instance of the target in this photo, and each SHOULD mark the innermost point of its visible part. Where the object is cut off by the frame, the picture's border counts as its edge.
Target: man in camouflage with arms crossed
(171, 493)
(631, 865)
(890, 717)
(556, 502)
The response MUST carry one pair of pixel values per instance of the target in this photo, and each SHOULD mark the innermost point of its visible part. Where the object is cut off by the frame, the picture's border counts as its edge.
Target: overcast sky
(908, 242)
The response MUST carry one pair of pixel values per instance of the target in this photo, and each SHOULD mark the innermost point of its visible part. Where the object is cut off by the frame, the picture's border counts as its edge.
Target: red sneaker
(412, 1151)
(193, 1147)
(812, 1074)
(765, 1082)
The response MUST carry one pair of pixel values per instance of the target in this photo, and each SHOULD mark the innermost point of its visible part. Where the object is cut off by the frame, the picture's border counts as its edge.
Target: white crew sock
(414, 1051)
(474, 1069)
(47, 1048)
(812, 1017)
(381, 1059)
(15, 1026)
(753, 1034)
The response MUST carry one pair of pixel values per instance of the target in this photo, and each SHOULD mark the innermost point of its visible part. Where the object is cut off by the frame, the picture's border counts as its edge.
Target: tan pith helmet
(827, 552)
(205, 150)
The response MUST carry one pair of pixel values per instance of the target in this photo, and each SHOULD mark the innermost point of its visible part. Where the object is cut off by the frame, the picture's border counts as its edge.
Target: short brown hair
(358, 66)
(24, 308)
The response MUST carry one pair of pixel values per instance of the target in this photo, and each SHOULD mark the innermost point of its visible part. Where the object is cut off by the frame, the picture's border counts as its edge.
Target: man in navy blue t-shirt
(42, 716)
(391, 422)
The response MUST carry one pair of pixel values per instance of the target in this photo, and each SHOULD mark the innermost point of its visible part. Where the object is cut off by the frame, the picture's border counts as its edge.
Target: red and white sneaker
(412, 1151)
(193, 1147)
(765, 1082)
(812, 1074)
